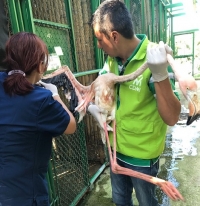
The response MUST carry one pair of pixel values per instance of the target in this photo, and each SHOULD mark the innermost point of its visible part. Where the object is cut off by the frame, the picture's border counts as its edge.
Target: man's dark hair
(112, 15)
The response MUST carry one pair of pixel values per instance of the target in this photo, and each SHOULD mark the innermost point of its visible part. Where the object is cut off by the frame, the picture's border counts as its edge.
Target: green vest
(140, 131)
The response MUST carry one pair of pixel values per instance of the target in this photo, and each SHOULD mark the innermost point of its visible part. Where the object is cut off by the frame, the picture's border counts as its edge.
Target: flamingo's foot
(109, 128)
(82, 106)
(169, 189)
(81, 115)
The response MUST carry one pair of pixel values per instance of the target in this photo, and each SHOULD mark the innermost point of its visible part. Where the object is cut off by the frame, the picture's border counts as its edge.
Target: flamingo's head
(188, 86)
(194, 107)
(193, 104)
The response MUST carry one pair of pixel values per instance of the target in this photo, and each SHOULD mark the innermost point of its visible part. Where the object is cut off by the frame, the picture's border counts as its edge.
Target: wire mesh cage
(135, 11)
(5, 27)
(70, 165)
(77, 157)
(54, 26)
(68, 175)
(8, 20)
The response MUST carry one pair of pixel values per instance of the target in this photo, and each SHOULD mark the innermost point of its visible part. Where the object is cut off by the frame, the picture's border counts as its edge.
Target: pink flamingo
(103, 93)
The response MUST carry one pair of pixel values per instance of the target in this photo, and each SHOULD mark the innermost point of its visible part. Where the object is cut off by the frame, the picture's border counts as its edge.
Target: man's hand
(157, 61)
(50, 87)
(168, 49)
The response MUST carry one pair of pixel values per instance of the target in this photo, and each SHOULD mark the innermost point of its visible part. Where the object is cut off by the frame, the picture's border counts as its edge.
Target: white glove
(168, 49)
(99, 116)
(157, 61)
(50, 87)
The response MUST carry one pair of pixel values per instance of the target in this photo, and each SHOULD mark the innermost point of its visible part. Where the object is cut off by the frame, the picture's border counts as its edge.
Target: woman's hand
(50, 87)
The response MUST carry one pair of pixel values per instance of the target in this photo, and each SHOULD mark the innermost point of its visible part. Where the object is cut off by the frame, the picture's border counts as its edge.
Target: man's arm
(168, 105)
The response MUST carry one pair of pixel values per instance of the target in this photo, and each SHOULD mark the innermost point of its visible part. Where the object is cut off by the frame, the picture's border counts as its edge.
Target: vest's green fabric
(140, 130)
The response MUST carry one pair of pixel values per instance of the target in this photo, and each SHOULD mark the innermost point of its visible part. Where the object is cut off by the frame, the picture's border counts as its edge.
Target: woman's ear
(41, 67)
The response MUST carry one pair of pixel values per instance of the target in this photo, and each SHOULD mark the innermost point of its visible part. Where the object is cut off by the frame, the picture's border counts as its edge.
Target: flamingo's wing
(62, 81)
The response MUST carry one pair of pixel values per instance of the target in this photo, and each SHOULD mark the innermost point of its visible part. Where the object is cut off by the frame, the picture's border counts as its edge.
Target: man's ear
(115, 36)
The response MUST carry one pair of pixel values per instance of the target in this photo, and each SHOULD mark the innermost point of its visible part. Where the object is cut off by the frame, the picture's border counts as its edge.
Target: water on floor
(180, 142)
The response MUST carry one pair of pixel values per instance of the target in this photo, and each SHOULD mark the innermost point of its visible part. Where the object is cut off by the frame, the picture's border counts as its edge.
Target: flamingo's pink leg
(88, 98)
(108, 143)
(167, 187)
(114, 143)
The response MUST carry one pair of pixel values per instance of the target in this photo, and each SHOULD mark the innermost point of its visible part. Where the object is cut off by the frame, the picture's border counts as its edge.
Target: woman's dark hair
(24, 51)
(112, 15)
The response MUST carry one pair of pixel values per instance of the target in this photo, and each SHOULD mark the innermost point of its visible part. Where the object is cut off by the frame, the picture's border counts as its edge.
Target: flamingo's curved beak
(193, 106)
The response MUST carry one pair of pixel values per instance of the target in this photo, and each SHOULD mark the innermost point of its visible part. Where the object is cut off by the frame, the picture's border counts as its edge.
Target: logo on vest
(136, 85)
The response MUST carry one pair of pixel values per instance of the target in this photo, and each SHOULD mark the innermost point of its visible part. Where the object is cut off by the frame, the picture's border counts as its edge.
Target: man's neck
(127, 48)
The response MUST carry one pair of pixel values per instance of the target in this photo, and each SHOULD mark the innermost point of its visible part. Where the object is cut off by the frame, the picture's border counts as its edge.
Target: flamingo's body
(103, 92)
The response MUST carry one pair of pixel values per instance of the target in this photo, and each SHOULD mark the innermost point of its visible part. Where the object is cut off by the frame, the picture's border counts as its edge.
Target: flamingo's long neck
(132, 76)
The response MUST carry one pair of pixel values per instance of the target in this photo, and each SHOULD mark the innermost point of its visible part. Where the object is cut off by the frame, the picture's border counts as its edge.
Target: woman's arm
(71, 128)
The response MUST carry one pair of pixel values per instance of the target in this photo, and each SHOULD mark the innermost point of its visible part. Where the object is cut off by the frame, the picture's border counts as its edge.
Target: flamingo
(102, 91)
(188, 87)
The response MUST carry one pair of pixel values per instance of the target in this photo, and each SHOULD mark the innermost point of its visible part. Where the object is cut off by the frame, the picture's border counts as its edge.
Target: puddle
(180, 142)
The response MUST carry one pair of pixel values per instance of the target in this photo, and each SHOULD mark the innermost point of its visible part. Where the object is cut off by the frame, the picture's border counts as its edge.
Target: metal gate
(183, 44)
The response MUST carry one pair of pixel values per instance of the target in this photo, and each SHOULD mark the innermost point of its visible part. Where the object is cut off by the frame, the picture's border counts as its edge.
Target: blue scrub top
(27, 125)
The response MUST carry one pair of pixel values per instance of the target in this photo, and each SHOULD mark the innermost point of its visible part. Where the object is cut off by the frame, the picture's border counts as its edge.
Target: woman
(30, 116)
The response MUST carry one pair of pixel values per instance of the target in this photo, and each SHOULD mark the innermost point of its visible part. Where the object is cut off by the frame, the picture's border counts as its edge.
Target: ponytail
(24, 53)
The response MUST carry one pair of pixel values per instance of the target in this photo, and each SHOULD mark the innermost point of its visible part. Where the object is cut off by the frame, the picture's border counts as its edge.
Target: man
(145, 106)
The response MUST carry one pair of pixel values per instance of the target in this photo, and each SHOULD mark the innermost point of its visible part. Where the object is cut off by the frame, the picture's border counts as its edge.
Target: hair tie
(16, 72)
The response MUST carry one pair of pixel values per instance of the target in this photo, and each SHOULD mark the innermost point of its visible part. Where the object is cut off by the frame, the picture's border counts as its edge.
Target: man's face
(106, 44)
